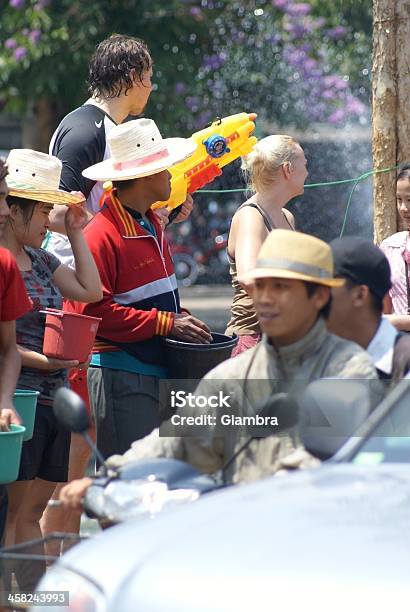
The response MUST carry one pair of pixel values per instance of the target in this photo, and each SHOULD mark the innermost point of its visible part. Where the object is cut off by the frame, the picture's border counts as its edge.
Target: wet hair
(376, 302)
(114, 59)
(311, 288)
(261, 165)
(3, 170)
(25, 205)
(403, 172)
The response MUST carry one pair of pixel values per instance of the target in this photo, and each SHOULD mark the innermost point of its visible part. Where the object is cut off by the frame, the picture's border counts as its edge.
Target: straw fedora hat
(36, 176)
(289, 254)
(138, 149)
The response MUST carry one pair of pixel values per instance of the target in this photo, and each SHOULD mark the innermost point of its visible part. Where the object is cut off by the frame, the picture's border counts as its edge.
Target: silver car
(333, 538)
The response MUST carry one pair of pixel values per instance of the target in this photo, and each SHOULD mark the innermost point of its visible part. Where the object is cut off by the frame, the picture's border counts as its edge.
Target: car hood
(335, 535)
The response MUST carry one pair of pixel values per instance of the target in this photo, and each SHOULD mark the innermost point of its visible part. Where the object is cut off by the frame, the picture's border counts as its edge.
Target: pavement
(210, 303)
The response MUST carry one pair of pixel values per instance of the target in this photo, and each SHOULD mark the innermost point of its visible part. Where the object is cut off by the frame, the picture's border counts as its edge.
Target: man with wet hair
(119, 83)
(357, 306)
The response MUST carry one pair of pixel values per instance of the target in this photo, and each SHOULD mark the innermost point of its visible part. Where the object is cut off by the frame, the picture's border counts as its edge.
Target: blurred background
(304, 67)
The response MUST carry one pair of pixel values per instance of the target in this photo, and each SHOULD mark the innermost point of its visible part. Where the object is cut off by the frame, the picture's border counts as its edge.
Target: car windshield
(390, 440)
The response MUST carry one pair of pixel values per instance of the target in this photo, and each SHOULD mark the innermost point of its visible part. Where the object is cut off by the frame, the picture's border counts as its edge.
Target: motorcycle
(140, 488)
(146, 488)
(208, 260)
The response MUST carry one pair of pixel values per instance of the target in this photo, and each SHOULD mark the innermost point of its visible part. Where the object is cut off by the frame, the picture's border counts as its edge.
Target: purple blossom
(204, 117)
(317, 23)
(180, 88)
(309, 64)
(10, 43)
(17, 4)
(337, 116)
(336, 81)
(354, 106)
(35, 36)
(337, 32)
(297, 30)
(196, 12)
(192, 102)
(20, 53)
(328, 94)
(298, 10)
(306, 47)
(214, 62)
(280, 4)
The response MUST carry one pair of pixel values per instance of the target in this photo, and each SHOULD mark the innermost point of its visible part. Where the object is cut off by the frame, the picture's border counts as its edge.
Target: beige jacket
(318, 355)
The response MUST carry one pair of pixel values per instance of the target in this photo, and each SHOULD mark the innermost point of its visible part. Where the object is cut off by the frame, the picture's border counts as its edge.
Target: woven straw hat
(289, 254)
(138, 149)
(36, 176)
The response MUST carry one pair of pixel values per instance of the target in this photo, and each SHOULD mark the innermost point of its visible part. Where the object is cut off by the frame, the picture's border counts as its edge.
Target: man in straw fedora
(290, 286)
(140, 305)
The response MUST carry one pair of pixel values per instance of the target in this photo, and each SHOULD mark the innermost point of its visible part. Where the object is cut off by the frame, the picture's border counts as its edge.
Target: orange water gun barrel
(219, 144)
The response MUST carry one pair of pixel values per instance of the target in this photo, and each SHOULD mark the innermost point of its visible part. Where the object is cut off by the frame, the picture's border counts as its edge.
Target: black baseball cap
(362, 262)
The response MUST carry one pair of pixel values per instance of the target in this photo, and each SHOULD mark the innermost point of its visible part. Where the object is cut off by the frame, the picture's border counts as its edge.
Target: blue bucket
(25, 402)
(11, 443)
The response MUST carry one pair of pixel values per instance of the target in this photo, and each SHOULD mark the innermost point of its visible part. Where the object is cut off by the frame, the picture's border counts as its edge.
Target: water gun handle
(174, 214)
(201, 179)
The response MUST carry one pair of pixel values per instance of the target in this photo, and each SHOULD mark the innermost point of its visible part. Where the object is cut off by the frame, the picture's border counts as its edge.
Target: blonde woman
(276, 172)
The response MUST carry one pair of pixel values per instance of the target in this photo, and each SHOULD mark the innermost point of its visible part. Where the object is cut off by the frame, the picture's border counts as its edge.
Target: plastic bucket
(188, 360)
(10, 453)
(69, 335)
(25, 402)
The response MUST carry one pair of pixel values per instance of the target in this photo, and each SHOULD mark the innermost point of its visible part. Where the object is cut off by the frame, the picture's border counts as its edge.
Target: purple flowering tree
(285, 61)
(292, 62)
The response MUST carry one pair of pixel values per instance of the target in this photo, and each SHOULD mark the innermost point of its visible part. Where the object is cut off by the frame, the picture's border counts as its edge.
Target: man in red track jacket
(140, 304)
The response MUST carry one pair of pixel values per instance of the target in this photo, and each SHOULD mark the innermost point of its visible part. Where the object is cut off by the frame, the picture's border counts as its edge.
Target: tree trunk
(39, 124)
(384, 114)
(403, 82)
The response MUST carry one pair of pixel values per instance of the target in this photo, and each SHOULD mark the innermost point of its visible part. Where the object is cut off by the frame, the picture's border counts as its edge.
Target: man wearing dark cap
(357, 306)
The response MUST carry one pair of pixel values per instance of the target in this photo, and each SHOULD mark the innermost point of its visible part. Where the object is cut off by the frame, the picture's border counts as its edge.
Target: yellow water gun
(219, 144)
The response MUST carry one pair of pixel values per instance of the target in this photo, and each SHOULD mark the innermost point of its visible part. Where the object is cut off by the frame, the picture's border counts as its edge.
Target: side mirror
(70, 410)
(330, 412)
(282, 408)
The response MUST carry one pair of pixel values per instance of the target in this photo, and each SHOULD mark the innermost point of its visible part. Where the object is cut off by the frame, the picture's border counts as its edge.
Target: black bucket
(192, 361)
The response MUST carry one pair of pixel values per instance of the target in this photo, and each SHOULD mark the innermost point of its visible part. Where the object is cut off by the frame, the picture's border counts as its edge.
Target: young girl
(397, 250)
(33, 189)
(276, 172)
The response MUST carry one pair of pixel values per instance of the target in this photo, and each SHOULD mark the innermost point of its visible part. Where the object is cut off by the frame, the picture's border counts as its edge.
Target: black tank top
(243, 316)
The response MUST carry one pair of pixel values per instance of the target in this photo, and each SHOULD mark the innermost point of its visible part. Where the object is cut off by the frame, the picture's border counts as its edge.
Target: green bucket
(25, 403)
(10, 453)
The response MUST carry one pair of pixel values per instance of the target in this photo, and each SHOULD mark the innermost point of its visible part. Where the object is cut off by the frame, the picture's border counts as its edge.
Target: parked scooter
(205, 261)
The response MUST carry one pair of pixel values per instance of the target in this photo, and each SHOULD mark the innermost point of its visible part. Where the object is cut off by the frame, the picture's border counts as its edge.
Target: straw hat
(36, 176)
(288, 254)
(137, 150)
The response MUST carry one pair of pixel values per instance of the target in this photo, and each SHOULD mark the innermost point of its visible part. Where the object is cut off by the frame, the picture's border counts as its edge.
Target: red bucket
(69, 335)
